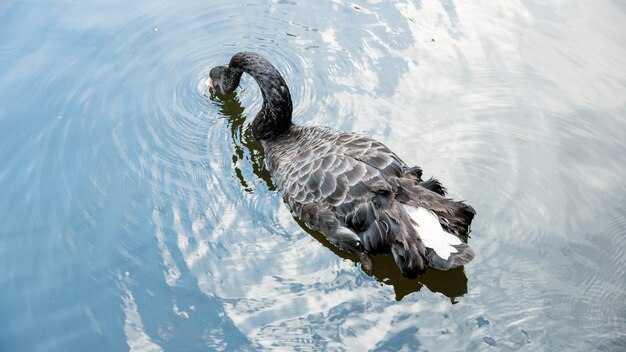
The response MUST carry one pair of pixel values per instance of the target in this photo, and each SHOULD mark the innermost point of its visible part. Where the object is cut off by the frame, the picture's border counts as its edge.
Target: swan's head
(223, 79)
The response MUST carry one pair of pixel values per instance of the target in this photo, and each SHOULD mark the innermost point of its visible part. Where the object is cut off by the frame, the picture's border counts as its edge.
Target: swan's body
(351, 188)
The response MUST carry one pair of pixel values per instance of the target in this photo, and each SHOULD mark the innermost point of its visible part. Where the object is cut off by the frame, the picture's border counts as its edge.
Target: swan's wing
(370, 152)
(352, 188)
(339, 183)
(337, 168)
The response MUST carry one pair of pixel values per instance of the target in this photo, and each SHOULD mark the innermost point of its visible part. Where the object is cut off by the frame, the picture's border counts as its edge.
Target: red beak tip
(210, 83)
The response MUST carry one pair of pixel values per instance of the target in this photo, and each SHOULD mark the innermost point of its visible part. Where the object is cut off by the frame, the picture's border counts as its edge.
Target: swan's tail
(443, 250)
(417, 225)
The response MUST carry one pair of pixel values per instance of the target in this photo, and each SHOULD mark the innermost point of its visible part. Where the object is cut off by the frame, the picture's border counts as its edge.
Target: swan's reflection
(452, 283)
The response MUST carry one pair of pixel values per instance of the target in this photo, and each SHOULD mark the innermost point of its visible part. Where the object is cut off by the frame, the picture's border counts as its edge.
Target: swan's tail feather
(417, 226)
(454, 216)
(435, 186)
(443, 250)
(463, 256)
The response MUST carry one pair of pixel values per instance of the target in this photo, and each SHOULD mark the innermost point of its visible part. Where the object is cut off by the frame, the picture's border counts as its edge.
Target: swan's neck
(275, 115)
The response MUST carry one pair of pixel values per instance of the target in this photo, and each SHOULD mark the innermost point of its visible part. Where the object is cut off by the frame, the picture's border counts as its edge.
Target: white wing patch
(430, 231)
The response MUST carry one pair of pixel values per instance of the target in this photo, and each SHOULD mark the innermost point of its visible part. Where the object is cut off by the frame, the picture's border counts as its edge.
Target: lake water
(136, 212)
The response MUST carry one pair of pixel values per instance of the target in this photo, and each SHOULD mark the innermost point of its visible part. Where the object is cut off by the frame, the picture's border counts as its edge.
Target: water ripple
(137, 211)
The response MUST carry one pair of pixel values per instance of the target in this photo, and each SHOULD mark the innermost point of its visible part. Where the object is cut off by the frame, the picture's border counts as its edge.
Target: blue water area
(137, 213)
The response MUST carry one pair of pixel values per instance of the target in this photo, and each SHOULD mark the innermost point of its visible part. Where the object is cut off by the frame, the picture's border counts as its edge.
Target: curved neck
(275, 115)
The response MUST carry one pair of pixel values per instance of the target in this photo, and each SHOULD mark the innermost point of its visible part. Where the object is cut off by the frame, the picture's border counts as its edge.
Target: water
(136, 211)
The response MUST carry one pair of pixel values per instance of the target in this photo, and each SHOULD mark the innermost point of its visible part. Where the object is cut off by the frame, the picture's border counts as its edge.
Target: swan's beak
(210, 83)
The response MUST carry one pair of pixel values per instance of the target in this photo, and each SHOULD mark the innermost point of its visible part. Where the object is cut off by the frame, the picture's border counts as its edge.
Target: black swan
(351, 188)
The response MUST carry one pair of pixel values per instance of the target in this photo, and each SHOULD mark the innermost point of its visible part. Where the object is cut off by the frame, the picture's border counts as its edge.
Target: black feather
(435, 186)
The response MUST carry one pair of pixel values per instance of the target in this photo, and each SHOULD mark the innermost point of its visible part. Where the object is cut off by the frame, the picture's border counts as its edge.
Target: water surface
(136, 211)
